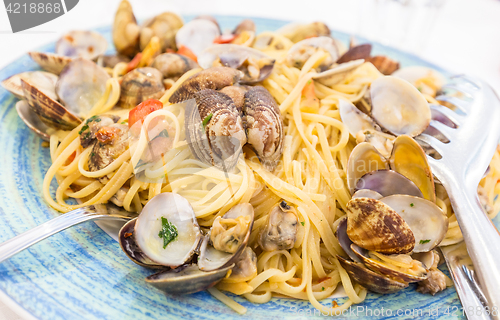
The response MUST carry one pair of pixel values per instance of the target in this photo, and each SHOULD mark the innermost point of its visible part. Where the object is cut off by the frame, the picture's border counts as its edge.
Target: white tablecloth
(465, 36)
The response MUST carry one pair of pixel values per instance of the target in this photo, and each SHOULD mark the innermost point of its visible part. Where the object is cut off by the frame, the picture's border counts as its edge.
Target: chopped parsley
(412, 205)
(206, 121)
(419, 88)
(302, 223)
(168, 232)
(92, 154)
(85, 127)
(322, 288)
(425, 241)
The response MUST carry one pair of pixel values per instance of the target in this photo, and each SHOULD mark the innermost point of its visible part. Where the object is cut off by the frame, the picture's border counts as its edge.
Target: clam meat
(280, 229)
(139, 85)
(94, 124)
(111, 142)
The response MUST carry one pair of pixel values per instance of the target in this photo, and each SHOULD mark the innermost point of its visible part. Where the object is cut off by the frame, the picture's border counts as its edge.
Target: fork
(93, 212)
(464, 160)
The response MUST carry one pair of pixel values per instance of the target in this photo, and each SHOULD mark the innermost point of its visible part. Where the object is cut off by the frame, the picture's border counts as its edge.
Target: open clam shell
(367, 193)
(255, 65)
(211, 259)
(197, 35)
(354, 119)
(187, 279)
(399, 107)
(139, 85)
(50, 62)
(31, 120)
(364, 158)
(44, 81)
(125, 30)
(344, 241)
(51, 112)
(418, 272)
(81, 44)
(361, 51)
(338, 73)
(372, 281)
(373, 225)
(298, 31)
(179, 213)
(387, 183)
(164, 26)
(300, 52)
(426, 220)
(427, 80)
(409, 159)
(81, 85)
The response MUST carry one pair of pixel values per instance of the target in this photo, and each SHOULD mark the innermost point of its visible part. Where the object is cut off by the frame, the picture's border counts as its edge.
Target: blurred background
(459, 35)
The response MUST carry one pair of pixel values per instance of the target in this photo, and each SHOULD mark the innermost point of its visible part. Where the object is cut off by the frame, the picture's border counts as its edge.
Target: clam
(162, 216)
(214, 78)
(44, 81)
(32, 121)
(81, 85)
(140, 84)
(112, 141)
(125, 30)
(50, 62)
(355, 53)
(214, 129)
(172, 65)
(344, 241)
(93, 125)
(300, 52)
(237, 94)
(165, 26)
(383, 142)
(416, 271)
(399, 107)
(245, 268)
(354, 119)
(387, 183)
(364, 158)
(367, 193)
(197, 35)
(338, 73)
(223, 245)
(264, 126)
(384, 64)
(426, 80)
(410, 160)
(255, 65)
(371, 280)
(111, 60)
(373, 225)
(426, 220)
(245, 33)
(52, 113)
(81, 44)
(297, 32)
(273, 44)
(244, 25)
(280, 229)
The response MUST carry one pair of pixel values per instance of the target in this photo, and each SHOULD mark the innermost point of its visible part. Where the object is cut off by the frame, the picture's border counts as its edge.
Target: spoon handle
(45, 230)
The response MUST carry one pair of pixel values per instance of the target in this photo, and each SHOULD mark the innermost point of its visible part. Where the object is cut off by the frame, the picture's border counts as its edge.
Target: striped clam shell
(50, 62)
(214, 129)
(140, 84)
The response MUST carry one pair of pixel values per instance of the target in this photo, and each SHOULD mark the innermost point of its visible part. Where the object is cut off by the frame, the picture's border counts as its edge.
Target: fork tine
(450, 114)
(444, 129)
(469, 79)
(457, 102)
(433, 142)
(461, 87)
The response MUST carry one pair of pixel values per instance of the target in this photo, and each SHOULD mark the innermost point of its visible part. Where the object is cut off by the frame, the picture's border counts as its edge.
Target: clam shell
(234, 56)
(399, 107)
(245, 25)
(125, 30)
(165, 26)
(387, 183)
(364, 158)
(367, 193)
(384, 64)
(81, 44)
(300, 52)
(338, 73)
(173, 65)
(140, 84)
(44, 81)
(186, 279)
(373, 225)
(344, 241)
(218, 140)
(214, 78)
(51, 112)
(410, 160)
(354, 119)
(372, 281)
(81, 85)
(426, 220)
(298, 32)
(264, 126)
(414, 73)
(388, 270)
(237, 94)
(362, 51)
(31, 120)
(50, 62)
(197, 35)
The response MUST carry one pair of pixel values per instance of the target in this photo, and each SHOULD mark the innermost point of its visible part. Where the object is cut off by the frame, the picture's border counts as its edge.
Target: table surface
(464, 38)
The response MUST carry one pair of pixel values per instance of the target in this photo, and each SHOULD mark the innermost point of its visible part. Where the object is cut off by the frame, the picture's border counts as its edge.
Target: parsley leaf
(425, 241)
(168, 232)
(206, 121)
(322, 288)
(412, 205)
(302, 223)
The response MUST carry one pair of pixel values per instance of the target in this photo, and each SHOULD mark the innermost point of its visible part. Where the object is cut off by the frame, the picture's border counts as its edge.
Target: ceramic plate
(82, 272)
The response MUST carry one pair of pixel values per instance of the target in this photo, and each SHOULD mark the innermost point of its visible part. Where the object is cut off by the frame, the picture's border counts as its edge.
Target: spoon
(93, 212)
